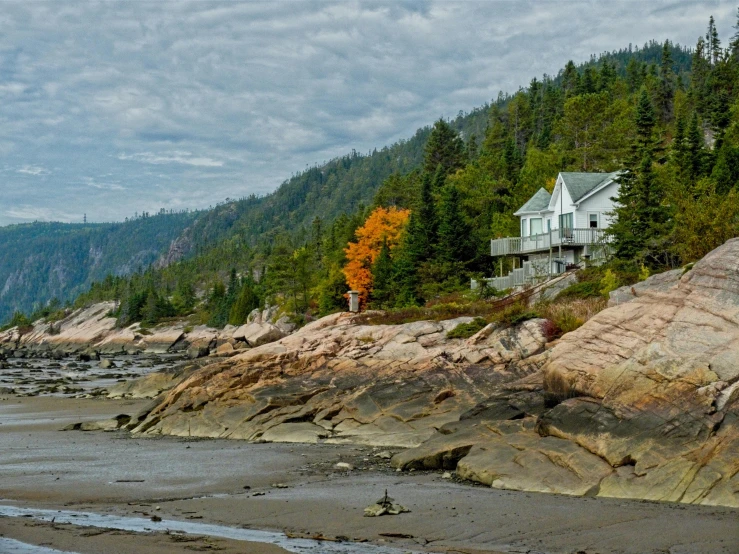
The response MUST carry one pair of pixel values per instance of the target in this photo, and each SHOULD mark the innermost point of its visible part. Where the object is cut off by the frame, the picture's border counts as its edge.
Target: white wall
(599, 203)
(561, 207)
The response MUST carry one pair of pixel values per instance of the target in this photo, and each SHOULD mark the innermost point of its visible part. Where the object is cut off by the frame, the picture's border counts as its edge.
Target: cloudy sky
(111, 108)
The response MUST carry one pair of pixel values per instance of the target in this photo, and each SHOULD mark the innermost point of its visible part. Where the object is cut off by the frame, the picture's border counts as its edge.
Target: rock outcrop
(640, 402)
(337, 381)
(94, 329)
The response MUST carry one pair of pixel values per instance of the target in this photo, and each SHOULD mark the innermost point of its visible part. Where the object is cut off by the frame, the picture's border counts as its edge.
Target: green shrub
(466, 330)
(608, 283)
(584, 289)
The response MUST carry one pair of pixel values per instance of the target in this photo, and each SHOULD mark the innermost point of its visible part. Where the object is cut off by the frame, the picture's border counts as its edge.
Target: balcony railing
(543, 241)
(529, 273)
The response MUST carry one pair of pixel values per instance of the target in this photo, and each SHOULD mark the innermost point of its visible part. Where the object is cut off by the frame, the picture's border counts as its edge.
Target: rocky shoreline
(641, 402)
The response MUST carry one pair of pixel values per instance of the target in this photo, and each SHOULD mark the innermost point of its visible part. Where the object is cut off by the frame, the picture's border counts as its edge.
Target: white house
(564, 227)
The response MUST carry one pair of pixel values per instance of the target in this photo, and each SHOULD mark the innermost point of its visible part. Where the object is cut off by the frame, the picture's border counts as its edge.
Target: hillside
(327, 200)
(41, 261)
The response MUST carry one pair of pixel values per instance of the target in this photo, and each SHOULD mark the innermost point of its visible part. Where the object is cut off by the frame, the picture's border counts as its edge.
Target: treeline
(665, 114)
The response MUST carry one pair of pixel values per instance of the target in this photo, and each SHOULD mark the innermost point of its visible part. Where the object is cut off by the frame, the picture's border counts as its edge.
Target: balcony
(544, 241)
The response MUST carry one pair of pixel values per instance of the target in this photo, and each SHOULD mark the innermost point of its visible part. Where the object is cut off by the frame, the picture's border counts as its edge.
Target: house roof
(580, 184)
(537, 203)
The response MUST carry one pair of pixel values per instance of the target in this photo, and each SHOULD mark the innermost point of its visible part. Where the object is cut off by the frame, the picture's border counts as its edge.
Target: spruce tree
(665, 93)
(695, 150)
(426, 221)
(713, 42)
(680, 149)
(444, 148)
(636, 215)
(734, 44)
(246, 301)
(454, 233)
(383, 286)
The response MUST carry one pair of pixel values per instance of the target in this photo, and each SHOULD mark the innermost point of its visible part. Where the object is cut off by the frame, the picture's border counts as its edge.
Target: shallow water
(10, 546)
(141, 525)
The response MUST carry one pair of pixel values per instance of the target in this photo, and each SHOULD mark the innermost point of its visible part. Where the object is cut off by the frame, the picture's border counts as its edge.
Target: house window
(593, 221)
(565, 221)
(523, 228)
(536, 226)
(549, 225)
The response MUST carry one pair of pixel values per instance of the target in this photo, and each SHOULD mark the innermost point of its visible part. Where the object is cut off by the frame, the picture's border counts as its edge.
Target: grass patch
(570, 313)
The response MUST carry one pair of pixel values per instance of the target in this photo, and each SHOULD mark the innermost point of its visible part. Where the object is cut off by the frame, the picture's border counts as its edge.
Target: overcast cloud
(114, 108)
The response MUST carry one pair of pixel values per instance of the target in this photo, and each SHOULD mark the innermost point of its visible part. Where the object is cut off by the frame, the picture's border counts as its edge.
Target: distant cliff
(41, 261)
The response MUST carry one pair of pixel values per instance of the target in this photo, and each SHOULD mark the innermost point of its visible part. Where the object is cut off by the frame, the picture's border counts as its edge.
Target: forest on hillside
(667, 115)
(45, 262)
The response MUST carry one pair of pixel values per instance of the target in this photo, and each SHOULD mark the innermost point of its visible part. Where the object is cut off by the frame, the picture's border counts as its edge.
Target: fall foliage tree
(382, 225)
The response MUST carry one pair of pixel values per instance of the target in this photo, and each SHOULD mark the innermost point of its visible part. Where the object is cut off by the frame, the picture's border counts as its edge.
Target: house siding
(599, 203)
(563, 207)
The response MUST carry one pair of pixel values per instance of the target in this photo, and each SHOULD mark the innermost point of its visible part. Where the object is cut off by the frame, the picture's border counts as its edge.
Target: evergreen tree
(426, 221)
(734, 44)
(444, 149)
(439, 179)
(183, 299)
(570, 79)
(680, 149)
(245, 303)
(454, 233)
(665, 93)
(383, 286)
(695, 150)
(639, 205)
(713, 43)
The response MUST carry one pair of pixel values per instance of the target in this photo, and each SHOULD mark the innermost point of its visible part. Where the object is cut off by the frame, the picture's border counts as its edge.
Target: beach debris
(397, 535)
(385, 506)
(258, 494)
(156, 518)
(279, 486)
(345, 466)
(384, 455)
(446, 475)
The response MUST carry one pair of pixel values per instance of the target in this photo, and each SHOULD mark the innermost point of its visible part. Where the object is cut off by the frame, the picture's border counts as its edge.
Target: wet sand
(206, 481)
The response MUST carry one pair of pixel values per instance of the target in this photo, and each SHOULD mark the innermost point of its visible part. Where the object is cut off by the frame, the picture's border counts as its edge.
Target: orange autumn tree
(382, 224)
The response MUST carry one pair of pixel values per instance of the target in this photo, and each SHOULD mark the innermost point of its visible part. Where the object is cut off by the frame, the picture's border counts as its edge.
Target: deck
(544, 241)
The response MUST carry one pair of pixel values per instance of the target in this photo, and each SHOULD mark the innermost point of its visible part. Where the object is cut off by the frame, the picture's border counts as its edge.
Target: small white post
(353, 301)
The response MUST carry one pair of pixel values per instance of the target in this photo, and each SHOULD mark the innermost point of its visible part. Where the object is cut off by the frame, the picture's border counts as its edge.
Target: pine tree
(734, 44)
(454, 233)
(383, 286)
(426, 222)
(680, 148)
(444, 149)
(607, 76)
(713, 42)
(246, 301)
(570, 79)
(438, 181)
(645, 121)
(665, 92)
(695, 150)
(639, 205)
(634, 74)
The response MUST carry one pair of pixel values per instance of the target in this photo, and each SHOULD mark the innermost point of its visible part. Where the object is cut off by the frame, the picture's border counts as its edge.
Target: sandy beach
(297, 489)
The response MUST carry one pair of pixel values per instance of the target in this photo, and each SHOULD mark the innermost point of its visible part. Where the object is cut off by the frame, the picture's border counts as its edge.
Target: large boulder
(257, 334)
